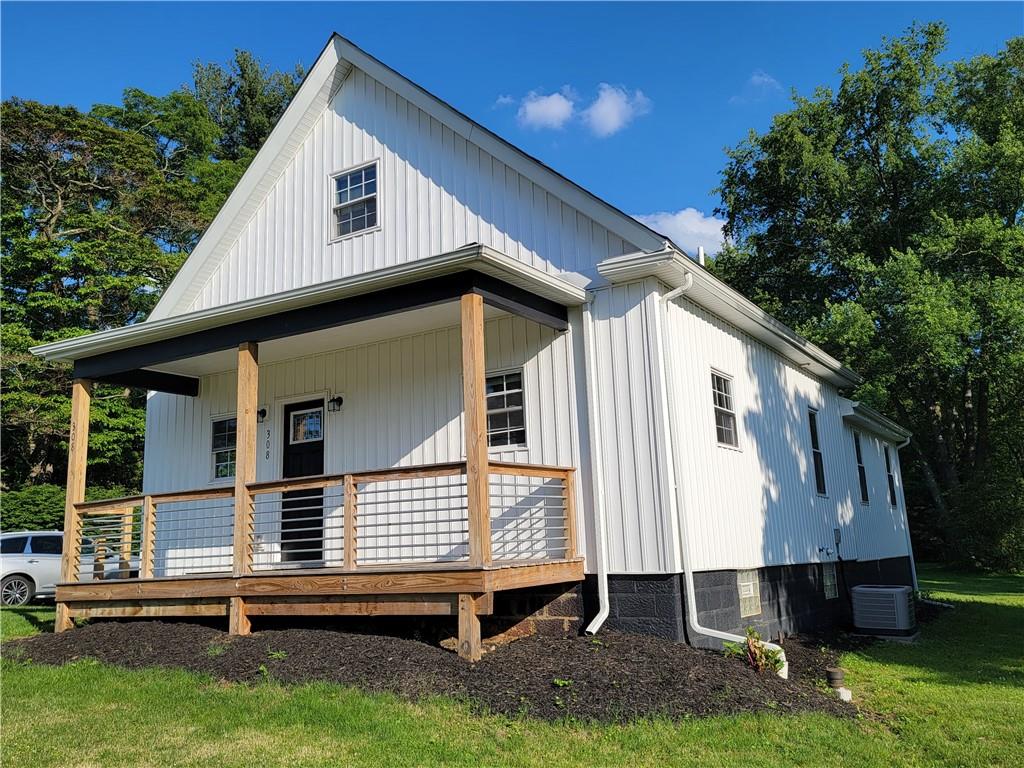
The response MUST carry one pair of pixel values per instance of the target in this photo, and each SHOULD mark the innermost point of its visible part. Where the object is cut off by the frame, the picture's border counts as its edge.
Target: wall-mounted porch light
(335, 403)
(261, 414)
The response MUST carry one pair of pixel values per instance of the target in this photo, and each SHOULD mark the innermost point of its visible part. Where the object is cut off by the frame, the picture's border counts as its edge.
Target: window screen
(506, 415)
(224, 448)
(725, 414)
(890, 477)
(355, 201)
(819, 462)
(862, 475)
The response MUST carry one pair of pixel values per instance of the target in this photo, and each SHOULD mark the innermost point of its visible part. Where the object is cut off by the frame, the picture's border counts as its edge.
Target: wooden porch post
(475, 413)
(245, 473)
(78, 452)
(469, 627)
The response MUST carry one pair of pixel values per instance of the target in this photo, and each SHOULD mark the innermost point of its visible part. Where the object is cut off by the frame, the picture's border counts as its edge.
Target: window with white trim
(748, 585)
(354, 203)
(223, 448)
(828, 581)
(725, 413)
(819, 461)
(862, 475)
(506, 414)
(890, 477)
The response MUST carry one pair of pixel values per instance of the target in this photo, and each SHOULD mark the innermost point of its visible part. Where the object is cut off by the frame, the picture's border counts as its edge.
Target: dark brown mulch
(615, 677)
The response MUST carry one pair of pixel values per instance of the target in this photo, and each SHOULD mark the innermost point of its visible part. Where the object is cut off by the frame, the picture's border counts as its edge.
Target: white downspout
(688, 557)
(906, 521)
(596, 471)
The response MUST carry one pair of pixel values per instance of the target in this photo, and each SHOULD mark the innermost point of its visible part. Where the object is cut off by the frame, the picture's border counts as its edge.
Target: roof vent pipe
(701, 258)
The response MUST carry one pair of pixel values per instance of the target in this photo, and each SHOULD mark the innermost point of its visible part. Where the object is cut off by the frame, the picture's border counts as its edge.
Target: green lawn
(954, 698)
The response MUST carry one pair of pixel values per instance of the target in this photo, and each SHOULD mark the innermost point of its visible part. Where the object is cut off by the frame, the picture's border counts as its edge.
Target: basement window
(725, 414)
(748, 586)
(828, 581)
(890, 477)
(506, 415)
(354, 205)
(819, 462)
(224, 448)
(862, 475)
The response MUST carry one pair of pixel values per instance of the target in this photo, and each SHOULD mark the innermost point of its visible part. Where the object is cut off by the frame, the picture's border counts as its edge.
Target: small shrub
(755, 653)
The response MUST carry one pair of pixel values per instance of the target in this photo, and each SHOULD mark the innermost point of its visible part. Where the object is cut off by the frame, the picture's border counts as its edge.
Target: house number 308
(268, 445)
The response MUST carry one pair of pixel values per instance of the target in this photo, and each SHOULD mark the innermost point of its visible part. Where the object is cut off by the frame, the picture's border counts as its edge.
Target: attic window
(354, 205)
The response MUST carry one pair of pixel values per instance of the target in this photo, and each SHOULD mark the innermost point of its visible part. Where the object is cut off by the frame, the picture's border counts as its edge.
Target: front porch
(394, 542)
(427, 539)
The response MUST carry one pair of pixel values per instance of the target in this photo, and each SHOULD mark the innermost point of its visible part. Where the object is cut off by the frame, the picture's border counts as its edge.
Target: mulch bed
(612, 678)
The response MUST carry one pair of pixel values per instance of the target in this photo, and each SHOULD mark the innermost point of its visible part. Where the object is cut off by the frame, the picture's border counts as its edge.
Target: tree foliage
(99, 209)
(884, 220)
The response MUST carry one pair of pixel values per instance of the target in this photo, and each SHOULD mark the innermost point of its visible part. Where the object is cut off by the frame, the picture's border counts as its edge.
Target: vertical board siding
(639, 536)
(403, 406)
(756, 505)
(879, 526)
(437, 192)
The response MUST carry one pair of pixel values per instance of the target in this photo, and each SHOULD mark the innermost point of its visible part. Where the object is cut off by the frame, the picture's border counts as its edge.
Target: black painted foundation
(792, 600)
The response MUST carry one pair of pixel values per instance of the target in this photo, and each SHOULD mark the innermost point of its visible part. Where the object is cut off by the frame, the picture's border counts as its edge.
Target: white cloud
(552, 110)
(504, 100)
(688, 228)
(614, 109)
(759, 87)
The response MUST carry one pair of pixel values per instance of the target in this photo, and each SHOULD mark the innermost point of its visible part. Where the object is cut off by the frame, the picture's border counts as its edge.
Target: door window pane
(47, 545)
(307, 426)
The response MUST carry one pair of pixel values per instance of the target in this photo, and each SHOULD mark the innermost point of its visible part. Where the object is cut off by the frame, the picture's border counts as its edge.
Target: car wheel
(16, 590)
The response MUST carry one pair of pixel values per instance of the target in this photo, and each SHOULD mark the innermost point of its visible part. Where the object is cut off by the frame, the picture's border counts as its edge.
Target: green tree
(98, 211)
(884, 220)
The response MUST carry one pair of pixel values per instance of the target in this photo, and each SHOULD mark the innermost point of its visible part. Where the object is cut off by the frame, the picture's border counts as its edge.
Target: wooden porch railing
(399, 517)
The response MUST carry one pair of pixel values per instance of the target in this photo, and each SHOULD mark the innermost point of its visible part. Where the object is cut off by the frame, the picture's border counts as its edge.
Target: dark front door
(302, 512)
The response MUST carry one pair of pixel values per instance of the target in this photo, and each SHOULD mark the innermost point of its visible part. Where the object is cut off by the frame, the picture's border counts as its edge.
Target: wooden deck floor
(431, 590)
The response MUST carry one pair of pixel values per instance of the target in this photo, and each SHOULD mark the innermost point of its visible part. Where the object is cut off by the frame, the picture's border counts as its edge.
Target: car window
(47, 545)
(13, 546)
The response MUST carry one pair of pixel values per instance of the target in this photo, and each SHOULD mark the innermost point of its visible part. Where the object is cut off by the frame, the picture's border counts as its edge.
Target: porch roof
(129, 355)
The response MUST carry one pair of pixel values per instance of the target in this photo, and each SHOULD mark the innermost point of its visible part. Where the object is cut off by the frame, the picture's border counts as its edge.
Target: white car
(30, 564)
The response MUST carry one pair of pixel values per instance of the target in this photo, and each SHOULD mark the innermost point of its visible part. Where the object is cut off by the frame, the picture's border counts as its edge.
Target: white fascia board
(856, 414)
(476, 257)
(331, 68)
(312, 97)
(672, 267)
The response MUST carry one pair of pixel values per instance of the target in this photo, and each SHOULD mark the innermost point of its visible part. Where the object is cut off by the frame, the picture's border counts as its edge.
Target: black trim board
(130, 363)
(158, 381)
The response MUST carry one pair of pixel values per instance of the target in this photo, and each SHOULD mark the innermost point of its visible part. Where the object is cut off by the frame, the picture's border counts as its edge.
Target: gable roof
(334, 64)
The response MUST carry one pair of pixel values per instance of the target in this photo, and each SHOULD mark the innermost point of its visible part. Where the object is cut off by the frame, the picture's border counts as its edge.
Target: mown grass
(954, 698)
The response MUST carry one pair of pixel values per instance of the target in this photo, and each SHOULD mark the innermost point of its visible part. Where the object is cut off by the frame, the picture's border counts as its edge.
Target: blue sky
(633, 101)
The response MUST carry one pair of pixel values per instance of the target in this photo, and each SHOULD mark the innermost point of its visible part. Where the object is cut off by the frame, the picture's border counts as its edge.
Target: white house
(411, 370)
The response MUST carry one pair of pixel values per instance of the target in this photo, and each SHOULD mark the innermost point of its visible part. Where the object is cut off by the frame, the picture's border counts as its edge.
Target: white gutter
(693, 619)
(596, 472)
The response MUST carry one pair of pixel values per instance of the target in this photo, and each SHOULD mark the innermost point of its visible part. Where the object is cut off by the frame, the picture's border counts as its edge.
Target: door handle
(33, 560)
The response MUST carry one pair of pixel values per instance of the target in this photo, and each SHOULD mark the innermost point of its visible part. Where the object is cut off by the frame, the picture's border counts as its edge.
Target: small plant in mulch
(278, 655)
(565, 684)
(216, 650)
(755, 653)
